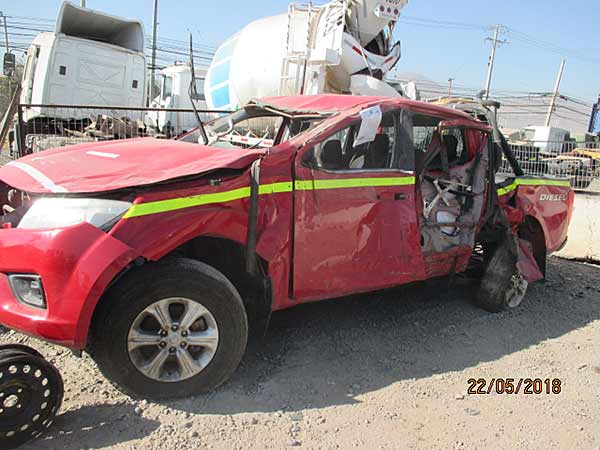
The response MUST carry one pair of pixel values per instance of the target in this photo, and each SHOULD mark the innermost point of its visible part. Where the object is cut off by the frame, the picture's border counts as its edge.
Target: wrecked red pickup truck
(158, 257)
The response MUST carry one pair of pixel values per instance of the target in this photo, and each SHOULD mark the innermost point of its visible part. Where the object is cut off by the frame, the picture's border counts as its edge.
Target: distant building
(518, 110)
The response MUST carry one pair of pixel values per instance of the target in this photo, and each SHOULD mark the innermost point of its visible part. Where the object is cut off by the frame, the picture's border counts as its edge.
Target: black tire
(174, 277)
(21, 348)
(495, 293)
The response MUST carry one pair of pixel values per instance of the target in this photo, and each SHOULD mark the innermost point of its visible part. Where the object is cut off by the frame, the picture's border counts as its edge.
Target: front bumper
(76, 265)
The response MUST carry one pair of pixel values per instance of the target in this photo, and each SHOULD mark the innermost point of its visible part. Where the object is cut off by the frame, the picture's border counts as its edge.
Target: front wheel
(170, 329)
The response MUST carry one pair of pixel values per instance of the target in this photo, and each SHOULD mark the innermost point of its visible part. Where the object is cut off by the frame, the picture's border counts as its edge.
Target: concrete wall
(584, 233)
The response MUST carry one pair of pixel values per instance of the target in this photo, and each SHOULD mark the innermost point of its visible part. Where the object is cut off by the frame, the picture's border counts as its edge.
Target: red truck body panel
(551, 206)
(76, 265)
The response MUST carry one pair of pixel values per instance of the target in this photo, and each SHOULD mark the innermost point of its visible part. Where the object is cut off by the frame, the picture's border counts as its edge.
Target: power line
(444, 24)
(532, 41)
(37, 19)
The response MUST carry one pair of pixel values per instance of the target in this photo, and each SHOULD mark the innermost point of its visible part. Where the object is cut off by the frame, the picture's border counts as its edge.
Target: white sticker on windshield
(371, 119)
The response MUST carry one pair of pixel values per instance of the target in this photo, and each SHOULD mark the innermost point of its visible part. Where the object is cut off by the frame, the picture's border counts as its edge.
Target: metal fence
(40, 127)
(577, 161)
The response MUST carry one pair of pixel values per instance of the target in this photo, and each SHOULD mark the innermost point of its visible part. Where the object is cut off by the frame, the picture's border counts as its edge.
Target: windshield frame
(217, 126)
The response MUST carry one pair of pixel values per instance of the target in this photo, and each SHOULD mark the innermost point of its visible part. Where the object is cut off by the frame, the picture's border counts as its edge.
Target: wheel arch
(228, 257)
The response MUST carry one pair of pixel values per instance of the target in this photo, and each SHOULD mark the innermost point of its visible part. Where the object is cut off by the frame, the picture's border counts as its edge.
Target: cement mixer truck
(344, 46)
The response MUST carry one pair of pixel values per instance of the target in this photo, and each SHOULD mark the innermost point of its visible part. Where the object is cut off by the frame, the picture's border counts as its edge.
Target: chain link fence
(40, 127)
(577, 161)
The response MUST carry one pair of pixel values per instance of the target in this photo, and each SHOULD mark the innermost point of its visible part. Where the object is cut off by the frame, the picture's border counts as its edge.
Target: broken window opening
(451, 169)
(339, 152)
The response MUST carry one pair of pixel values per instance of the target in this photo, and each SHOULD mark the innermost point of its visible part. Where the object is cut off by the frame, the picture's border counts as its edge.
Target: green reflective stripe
(144, 209)
(161, 206)
(275, 188)
(304, 185)
(532, 182)
(353, 183)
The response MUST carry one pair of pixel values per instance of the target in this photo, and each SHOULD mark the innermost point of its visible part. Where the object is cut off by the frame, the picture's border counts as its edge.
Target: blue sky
(438, 51)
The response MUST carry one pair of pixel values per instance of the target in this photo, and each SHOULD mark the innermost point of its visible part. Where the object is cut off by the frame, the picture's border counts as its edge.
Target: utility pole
(153, 68)
(594, 127)
(5, 32)
(495, 41)
(450, 81)
(555, 93)
(83, 3)
(7, 52)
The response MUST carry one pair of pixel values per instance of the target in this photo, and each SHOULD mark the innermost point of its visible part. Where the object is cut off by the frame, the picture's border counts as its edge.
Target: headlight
(64, 212)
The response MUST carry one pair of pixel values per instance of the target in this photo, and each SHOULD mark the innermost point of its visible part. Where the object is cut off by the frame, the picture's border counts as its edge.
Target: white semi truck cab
(174, 82)
(91, 58)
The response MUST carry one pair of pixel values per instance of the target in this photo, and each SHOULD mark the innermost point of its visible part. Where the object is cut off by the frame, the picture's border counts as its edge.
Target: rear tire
(502, 286)
(198, 341)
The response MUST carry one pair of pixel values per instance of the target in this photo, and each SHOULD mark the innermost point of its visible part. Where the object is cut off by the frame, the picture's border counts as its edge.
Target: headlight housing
(28, 289)
(65, 212)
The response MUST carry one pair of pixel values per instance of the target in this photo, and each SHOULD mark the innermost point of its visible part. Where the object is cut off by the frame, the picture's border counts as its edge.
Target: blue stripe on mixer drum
(219, 74)
(220, 97)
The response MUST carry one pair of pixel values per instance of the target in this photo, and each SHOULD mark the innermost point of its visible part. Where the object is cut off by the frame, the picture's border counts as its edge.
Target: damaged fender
(526, 263)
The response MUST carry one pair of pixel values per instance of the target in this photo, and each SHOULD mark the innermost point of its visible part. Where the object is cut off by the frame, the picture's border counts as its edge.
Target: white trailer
(91, 58)
(550, 140)
(344, 46)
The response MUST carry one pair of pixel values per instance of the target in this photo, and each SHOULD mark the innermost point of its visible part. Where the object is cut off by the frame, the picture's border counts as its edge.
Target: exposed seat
(379, 151)
(332, 155)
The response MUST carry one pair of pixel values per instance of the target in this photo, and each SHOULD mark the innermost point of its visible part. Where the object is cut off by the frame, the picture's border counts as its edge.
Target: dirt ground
(386, 370)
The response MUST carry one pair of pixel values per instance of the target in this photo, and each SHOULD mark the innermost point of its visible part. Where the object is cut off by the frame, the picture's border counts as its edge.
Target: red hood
(109, 166)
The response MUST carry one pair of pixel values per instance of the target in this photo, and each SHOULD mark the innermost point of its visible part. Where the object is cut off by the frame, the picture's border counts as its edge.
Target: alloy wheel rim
(173, 339)
(516, 291)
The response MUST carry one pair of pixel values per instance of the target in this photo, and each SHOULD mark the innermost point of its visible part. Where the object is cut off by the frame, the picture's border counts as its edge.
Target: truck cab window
(454, 140)
(199, 89)
(339, 152)
(424, 129)
(331, 153)
(167, 87)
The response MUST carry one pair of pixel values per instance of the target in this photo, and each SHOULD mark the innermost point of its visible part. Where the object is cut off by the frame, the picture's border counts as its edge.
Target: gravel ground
(386, 370)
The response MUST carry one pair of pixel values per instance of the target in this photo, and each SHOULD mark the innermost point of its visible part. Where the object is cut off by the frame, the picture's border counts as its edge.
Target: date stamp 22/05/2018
(514, 386)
